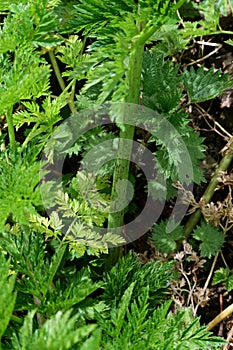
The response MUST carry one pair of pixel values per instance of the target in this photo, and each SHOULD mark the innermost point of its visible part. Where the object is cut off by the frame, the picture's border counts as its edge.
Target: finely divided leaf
(7, 296)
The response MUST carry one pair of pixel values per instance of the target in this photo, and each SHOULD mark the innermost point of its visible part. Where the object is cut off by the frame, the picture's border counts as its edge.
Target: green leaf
(119, 315)
(181, 331)
(25, 79)
(161, 90)
(59, 332)
(7, 296)
(30, 24)
(220, 275)
(93, 343)
(194, 143)
(229, 42)
(212, 239)
(70, 53)
(196, 337)
(229, 283)
(19, 190)
(203, 86)
(223, 275)
(166, 242)
(133, 271)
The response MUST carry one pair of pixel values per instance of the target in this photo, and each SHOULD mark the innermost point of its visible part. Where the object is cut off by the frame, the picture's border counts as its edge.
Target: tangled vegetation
(64, 284)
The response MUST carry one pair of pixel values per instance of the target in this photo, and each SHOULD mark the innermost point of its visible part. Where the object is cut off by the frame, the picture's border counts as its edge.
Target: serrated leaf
(161, 90)
(229, 283)
(212, 239)
(118, 318)
(19, 190)
(166, 242)
(202, 86)
(7, 297)
(93, 343)
(229, 42)
(58, 332)
(220, 275)
(193, 141)
(223, 275)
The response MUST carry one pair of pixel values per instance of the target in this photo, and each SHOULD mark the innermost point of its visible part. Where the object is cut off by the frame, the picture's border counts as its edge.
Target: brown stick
(220, 317)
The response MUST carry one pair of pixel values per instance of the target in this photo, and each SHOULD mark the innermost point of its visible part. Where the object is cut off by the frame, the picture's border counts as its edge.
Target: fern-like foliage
(87, 208)
(76, 215)
(203, 86)
(7, 295)
(133, 324)
(27, 78)
(43, 117)
(40, 279)
(124, 318)
(162, 330)
(19, 185)
(115, 27)
(29, 24)
(140, 276)
(182, 332)
(162, 92)
(59, 332)
(28, 257)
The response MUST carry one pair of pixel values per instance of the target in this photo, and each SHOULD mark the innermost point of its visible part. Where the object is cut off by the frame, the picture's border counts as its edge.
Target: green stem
(57, 259)
(133, 84)
(11, 130)
(56, 70)
(121, 172)
(71, 103)
(16, 319)
(60, 79)
(209, 192)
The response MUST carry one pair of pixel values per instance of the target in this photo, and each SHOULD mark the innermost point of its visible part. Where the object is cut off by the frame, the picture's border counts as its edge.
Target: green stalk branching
(61, 80)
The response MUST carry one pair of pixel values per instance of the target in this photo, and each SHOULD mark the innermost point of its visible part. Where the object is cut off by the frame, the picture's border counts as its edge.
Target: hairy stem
(115, 219)
(133, 85)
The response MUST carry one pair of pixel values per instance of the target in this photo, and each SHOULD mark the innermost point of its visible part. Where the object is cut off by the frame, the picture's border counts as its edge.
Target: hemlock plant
(104, 47)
